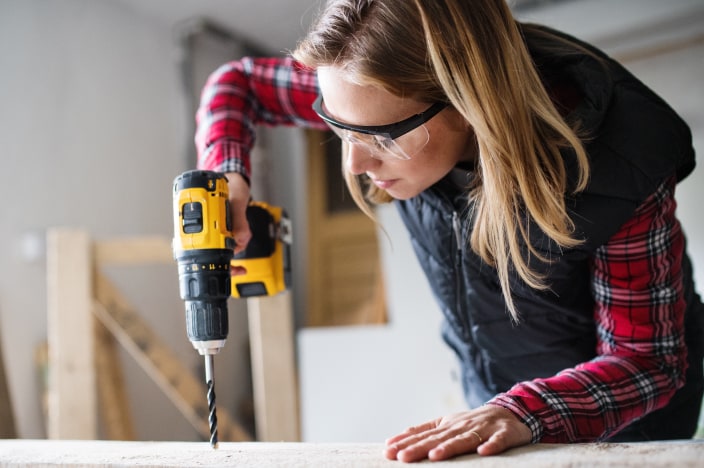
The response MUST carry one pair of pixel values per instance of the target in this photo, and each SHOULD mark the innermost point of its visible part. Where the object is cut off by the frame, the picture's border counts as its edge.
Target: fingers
(497, 443)
(413, 430)
(434, 444)
(466, 442)
(240, 228)
(488, 430)
(237, 270)
(238, 189)
(401, 441)
(511, 433)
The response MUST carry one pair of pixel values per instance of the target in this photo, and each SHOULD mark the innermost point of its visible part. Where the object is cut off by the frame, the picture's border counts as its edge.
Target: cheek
(438, 159)
(423, 171)
(451, 135)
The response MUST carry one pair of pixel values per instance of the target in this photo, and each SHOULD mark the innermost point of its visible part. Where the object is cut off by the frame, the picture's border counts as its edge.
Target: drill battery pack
(267, 258)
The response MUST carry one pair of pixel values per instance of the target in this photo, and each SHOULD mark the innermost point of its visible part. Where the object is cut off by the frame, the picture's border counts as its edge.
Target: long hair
(472, 54)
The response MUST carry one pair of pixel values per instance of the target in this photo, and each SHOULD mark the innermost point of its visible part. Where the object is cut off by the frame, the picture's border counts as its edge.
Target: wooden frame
(77, 291)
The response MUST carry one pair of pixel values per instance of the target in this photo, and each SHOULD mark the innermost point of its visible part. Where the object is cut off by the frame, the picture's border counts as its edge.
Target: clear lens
(382, 147)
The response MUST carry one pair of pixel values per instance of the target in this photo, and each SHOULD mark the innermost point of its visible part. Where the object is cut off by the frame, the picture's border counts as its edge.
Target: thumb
(239, 199)
(240, 228)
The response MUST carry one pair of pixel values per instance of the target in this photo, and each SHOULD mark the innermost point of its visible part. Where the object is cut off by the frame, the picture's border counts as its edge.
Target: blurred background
(97, 99)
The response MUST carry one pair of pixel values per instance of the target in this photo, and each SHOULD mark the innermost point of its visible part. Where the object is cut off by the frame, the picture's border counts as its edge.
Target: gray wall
(95, 123)
(92, 131)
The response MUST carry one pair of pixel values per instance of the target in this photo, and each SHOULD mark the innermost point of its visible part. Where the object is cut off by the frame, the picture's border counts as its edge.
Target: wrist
(515, 407)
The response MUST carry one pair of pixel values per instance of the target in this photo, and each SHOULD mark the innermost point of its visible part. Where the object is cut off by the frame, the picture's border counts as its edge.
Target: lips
(384, 183)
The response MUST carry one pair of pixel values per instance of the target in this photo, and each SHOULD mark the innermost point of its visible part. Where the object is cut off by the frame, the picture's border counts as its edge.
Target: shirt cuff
(521, 412)
(226, 156)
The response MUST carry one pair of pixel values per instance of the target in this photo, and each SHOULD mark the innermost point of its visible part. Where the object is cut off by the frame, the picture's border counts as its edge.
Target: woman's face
(450, 138)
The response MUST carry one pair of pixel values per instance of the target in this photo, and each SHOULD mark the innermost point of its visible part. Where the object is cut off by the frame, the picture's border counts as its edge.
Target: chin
(402, 194)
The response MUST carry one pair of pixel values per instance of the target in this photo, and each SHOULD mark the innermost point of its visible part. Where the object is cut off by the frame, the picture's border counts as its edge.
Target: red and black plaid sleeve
(242, 94)
(641, 362)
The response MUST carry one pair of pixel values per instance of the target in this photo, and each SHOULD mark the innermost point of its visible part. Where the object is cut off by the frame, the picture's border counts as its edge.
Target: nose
(358, 160)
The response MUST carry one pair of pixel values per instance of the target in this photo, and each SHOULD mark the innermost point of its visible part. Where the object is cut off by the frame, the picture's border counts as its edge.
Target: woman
(536, 178)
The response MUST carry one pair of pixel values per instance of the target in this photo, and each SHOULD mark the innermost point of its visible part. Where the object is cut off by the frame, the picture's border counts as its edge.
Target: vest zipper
(459, 244)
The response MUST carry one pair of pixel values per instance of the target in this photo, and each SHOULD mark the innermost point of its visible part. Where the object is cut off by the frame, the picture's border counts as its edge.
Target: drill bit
(212, 416)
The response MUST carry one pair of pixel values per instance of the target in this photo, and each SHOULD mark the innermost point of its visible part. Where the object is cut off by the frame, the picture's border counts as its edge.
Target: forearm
(591, 401)
(244, 94)
(639, 310)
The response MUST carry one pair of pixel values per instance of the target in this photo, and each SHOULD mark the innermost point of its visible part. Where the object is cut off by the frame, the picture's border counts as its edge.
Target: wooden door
(344, 275)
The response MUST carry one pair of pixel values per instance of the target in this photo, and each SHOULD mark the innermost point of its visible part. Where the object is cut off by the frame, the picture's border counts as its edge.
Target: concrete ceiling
(275, 26)
(271, 25)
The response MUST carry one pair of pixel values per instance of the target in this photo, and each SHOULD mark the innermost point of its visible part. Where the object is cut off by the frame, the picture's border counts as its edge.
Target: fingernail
(391, 452)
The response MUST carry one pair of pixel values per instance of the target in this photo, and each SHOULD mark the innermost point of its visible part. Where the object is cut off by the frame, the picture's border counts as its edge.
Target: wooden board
(274, 368)
(7, 420)
(113, 404)
(133, 251)
(72, 400)
(32, 453)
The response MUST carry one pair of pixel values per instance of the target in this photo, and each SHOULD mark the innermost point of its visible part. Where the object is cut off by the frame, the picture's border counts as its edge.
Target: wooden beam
(7, 420)
(41, 367)
(36, 453)
(113, 404)
(72, 409)
(71, 293)
(133, 251)
(273, 368)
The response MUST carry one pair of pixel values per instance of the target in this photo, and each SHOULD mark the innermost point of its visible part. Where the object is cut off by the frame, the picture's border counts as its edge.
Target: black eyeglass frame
(391, 131)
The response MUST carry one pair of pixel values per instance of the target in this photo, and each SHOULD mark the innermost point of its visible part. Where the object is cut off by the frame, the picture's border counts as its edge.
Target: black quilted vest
(636, 142)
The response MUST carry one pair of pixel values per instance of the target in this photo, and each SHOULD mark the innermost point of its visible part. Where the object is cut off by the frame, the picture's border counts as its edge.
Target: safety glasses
(400, 140)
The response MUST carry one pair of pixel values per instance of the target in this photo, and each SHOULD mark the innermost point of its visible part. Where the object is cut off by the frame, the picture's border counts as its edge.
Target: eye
(381, 142)
(351, 138)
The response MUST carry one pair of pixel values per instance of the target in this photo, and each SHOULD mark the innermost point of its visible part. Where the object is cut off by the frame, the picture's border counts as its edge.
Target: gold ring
(477, 435)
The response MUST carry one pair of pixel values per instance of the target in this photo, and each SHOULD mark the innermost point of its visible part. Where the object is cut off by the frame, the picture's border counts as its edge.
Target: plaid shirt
(639, 313)
(240, 95)
(636, 276)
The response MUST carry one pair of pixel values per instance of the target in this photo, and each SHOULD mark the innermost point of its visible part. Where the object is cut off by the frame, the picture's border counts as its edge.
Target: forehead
(349, 100)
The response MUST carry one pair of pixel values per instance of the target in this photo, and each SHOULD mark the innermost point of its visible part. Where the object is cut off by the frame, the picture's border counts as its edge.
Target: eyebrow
(393, 130)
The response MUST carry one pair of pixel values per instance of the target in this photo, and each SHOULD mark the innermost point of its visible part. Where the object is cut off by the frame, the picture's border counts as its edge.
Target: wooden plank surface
(32, 453)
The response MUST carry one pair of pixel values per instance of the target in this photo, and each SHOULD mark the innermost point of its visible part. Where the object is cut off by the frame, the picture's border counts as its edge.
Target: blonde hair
(473, 55)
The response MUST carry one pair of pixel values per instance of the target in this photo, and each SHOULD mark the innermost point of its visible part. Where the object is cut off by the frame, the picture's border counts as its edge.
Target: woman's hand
(487, 430)
(239, 199)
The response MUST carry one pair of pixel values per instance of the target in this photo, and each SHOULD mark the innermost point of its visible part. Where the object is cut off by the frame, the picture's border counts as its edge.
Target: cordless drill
(203, 247)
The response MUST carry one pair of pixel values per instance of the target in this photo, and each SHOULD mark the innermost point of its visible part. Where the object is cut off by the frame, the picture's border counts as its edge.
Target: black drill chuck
(205, 286)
